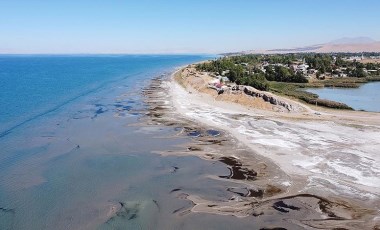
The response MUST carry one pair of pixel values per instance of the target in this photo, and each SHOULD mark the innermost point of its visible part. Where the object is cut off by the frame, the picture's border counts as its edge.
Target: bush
(257, 81)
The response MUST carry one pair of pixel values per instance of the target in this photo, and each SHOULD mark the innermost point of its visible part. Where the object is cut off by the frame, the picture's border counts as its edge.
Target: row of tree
(245, 75)
(245, 69)
(283, 74)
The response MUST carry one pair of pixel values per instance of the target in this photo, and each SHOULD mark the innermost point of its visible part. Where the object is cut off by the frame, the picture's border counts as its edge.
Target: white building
(302, 68)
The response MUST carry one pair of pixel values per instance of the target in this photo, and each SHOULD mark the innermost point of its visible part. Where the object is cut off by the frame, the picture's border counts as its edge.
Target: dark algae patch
(194, 134)
(100, 111)
(213, 133)
(175, 190)
(273, 228)
(237, 171)
(6, 218)
(125, 212)
(245, 192)
(123, 107)
(282, 207)
(259, 193)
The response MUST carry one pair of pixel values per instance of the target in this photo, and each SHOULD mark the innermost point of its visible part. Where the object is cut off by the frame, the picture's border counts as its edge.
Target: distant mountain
(350, 45)
(355, 40)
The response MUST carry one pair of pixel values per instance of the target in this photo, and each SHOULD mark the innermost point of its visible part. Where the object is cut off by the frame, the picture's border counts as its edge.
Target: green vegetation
(236, 73)
(250, 75)
(287, 74)
(257, 81)
(295, 91)
(283, 74)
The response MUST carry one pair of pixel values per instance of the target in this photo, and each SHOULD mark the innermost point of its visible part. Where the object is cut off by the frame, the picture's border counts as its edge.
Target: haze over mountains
(346, 44)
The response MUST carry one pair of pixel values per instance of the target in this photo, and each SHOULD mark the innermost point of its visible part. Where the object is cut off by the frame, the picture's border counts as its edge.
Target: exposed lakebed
(261, 192)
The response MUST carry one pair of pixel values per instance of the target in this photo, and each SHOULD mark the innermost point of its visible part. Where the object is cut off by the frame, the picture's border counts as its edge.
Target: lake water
(366, 97)
(80, 149)
(84, 144)
(71, 149)
(32, 86)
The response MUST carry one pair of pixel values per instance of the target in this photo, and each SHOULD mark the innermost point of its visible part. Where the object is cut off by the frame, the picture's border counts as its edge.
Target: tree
(300, 78)
(322, 69)
(232, 76)
(359, 72)
(340, 62)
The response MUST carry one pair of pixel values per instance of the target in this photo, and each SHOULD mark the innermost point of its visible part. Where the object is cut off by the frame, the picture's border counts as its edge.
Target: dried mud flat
(261, 189)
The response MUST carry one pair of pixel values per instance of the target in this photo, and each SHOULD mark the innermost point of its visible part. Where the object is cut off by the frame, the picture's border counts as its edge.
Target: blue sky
(179, 26)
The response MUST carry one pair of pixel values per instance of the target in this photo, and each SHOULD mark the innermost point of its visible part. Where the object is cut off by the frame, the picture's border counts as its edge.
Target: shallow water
(72, 152)
(108, 159)
(366, 97)
(90, 159)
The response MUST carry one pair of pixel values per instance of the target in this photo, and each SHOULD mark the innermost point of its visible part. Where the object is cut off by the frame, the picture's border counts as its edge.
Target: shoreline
(284, 140)
(357, 116)
(360, 102)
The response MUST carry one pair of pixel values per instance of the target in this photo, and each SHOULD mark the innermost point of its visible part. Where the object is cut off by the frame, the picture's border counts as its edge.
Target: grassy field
(295, 91)
(348, 82)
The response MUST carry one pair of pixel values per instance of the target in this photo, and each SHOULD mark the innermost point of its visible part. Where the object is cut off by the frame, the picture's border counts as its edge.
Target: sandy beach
(310, 156)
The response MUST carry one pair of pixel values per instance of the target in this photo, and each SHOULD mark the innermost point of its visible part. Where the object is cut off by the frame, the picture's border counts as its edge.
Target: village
(287, 75)
(290, 68)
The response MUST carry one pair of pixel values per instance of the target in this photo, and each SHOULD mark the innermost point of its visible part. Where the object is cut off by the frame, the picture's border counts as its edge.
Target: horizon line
(68, 54)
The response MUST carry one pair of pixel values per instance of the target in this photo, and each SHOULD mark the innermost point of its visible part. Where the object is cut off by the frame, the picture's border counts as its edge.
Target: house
(372, 70)
(225, 79)
(293, 67)
(225, 72)
(214, 81)
(355, 58)
(339, 73)
(302, 68)
(220, 78)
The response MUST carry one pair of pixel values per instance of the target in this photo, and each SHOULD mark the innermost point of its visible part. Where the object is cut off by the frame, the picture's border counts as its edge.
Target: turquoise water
(65, 158)
(31, 86)
(366, 97)
(78, 150)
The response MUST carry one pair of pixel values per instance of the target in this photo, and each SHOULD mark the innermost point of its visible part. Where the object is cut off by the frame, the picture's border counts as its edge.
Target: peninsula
(318, 150)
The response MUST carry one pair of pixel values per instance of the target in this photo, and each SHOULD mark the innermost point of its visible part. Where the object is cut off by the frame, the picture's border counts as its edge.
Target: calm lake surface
(366, 97)
(72, 151)
(79, 149)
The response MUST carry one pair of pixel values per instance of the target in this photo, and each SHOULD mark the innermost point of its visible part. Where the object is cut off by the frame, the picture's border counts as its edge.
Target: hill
(348, 45)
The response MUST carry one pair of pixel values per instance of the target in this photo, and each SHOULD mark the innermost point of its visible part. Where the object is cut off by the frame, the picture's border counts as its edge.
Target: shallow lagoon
(366, 97)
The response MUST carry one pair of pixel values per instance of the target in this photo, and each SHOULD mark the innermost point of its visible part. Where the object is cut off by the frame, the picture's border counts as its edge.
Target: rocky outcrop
(268, 97)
